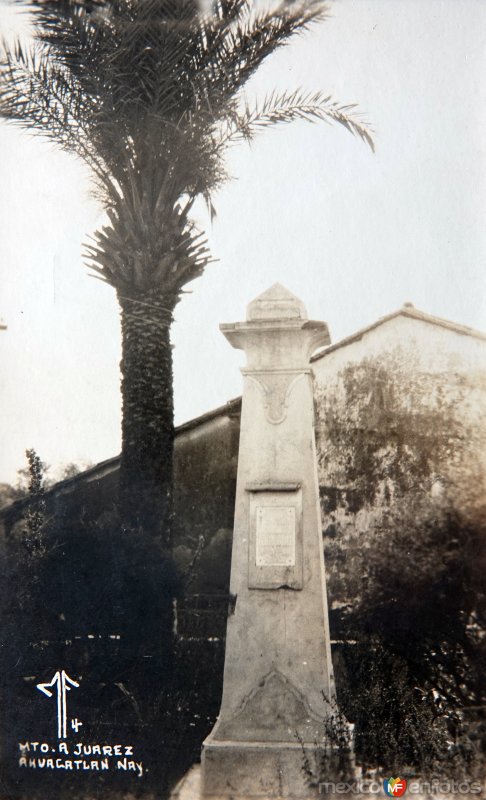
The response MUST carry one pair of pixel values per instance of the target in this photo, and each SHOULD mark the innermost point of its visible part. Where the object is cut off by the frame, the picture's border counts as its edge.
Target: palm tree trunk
(145, 483)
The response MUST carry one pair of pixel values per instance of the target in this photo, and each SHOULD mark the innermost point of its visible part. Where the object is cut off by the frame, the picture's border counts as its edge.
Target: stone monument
(278, 672)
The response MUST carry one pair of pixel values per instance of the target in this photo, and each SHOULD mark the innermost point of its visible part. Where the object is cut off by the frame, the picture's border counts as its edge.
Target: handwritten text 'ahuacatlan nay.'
(79, 757)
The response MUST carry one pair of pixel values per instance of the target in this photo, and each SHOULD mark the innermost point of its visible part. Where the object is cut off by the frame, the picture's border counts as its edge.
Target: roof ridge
(405, 311)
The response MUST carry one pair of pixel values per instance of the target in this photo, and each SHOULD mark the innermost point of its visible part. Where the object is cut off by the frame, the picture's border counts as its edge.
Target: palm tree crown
(149, 94)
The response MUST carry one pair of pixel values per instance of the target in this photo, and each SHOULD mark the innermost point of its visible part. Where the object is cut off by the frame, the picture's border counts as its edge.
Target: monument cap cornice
(277, 342)
(275, 313)
(277, 324)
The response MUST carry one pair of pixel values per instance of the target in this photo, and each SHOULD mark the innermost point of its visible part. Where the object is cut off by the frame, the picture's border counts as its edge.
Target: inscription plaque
(275, 536)
(275, 554)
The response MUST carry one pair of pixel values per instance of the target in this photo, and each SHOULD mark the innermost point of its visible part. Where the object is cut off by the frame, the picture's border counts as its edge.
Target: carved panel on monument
(276, 388)
(275, 551)
(273, 712)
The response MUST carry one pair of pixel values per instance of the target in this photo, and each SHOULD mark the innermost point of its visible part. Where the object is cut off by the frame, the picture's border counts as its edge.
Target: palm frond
(289, 106)
(234, 56)
(36, 94)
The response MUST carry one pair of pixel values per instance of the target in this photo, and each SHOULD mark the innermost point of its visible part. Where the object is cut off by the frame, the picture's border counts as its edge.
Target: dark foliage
(98, 603)
(333, 759)
(417, 647)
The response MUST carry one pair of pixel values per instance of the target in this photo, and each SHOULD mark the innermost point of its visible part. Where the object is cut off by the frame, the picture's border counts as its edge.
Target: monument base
(265, 770)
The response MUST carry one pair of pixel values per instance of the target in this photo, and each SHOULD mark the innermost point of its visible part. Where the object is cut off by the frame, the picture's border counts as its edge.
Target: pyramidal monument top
(276, 303)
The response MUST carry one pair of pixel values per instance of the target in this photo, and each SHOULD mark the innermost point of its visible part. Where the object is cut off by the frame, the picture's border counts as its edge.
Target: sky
(353, 234)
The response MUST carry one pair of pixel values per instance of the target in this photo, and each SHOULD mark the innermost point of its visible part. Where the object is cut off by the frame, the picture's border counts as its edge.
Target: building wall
(205, 465)
(400, 429)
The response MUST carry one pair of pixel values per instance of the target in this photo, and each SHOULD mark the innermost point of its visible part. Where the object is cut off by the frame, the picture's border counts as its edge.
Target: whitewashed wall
(400, 427)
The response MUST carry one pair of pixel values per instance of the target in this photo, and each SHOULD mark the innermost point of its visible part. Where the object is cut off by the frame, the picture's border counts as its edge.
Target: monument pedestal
(278, 675)
(269, 771)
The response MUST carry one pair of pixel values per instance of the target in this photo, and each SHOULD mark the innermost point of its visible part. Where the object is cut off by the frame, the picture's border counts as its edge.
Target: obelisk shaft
(278, 674)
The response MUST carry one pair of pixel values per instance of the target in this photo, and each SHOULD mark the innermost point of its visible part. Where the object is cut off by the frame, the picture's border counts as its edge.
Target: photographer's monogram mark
(63, 684)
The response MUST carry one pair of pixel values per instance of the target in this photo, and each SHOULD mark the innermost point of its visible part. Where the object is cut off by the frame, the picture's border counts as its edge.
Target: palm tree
(149, 94)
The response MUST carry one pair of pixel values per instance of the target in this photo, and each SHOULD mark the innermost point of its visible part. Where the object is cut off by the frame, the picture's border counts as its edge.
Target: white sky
(354, 235)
